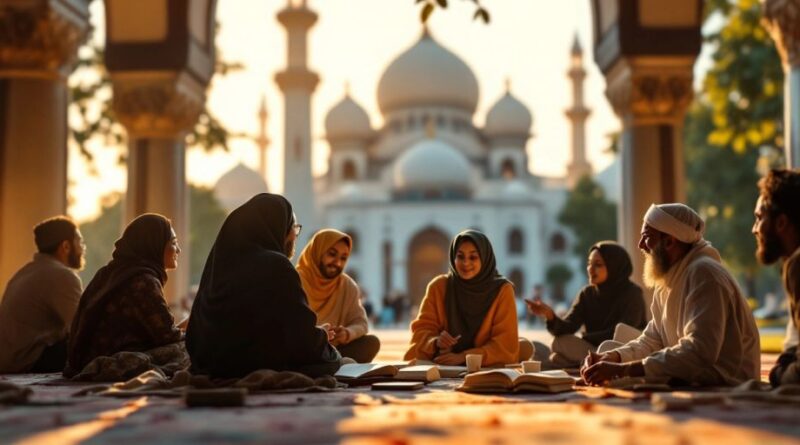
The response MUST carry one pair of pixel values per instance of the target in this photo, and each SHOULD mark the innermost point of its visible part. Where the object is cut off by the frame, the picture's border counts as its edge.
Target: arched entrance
(427, 258)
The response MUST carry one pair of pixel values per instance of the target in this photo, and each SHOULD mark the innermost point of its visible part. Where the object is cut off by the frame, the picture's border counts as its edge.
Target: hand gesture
(340, 335)
(328, 330)
(540, 308)
(451, 359)
(446, 341)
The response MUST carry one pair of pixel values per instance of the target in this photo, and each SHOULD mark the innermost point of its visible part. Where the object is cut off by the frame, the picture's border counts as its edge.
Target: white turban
(678, 220)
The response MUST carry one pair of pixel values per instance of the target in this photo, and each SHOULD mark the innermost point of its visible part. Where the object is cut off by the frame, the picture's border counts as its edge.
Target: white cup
(474, 362)
(529, 366)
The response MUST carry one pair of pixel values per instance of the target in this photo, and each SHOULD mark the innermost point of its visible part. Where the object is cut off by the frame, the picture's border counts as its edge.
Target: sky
(527, 41)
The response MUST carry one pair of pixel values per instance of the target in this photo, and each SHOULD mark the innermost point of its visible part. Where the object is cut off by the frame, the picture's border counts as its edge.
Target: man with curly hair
(777, 232)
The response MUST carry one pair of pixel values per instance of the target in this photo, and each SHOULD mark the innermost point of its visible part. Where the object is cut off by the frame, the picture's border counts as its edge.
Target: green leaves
(589, 214)
(430, 5)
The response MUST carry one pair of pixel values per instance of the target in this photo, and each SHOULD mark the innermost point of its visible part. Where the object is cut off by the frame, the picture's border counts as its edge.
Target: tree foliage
(557, 276)
(589, 214)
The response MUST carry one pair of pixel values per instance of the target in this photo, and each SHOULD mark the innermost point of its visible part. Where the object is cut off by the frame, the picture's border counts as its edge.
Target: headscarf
(318, 288)
(677, 220)
(139, 251)
(618, 264)
(468, 301)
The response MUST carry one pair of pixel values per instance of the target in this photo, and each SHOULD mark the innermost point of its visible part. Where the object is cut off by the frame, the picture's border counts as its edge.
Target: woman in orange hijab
(334, 296)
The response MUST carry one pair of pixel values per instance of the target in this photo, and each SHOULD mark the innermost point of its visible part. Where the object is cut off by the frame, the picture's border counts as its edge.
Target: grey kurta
(37, 310)
(702, 330)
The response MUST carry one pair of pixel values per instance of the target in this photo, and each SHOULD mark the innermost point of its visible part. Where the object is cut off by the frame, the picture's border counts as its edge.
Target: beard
(76, 260)
(288, 248)
(768, 248)
(656, 265)
(329, 272)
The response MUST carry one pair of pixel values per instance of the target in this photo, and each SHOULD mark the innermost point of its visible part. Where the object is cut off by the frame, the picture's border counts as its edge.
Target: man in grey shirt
(40, 301)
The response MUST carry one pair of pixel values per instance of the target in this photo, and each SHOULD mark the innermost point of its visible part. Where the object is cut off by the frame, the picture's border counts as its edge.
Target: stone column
(38, 49)
(158, 110)
(651, 96)
(782, 20)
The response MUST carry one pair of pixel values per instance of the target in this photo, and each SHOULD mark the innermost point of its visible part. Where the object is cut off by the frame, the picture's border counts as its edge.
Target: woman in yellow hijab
(334, 296)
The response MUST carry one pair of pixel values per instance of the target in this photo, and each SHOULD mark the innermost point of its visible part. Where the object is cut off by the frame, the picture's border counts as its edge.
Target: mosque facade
(404, 189)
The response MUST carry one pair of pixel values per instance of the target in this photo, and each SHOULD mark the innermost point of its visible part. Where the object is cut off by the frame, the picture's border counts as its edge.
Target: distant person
(610, 307)
(335, 297)
(777, 232)
(470, 310)
(251, 312)
(40, 301)
(123, 308)
(702, 331)
(369, 307)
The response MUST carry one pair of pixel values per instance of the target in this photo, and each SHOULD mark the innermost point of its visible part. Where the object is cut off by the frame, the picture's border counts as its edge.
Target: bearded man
(334, 296)
(702, 331)
(40, 301)
(777, 232)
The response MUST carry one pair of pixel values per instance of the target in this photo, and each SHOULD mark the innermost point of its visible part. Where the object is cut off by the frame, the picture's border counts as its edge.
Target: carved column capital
(782, 20)
(157, 104)
(41, 38)
(650, 92)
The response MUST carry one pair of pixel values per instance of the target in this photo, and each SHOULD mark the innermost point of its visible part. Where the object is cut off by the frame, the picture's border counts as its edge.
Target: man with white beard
(702, 331)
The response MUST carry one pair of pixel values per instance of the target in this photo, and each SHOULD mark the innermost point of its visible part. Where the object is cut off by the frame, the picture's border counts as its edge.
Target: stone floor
(353, 416)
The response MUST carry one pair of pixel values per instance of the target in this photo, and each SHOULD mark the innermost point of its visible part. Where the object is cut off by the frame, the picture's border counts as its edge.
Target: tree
(557, 276)
(589, 214)
(206, 218)
(733, 123)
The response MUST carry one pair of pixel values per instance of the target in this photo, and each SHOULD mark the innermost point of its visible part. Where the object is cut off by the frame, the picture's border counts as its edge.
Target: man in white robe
(702, 331)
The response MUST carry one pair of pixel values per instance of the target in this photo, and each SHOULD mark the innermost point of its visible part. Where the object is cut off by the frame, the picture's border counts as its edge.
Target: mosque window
(558, 243)
(517, 277)
(396, 126)
(440, 121)
(516, 241)
(354, 236)
(425, 120)
(412, 122)
(349, 171)
(507, 169)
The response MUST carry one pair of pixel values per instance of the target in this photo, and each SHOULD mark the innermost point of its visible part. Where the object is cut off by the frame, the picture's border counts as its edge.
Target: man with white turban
(702, 331)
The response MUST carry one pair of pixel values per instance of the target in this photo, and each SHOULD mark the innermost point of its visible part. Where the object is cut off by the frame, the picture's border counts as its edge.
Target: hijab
(468, 301)
(619, 267)
(140, 251)
(318, 288)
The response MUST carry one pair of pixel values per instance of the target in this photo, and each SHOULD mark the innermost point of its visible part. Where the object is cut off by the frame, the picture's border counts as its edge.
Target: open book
(365, 370)
(378, 371)
(511, 380)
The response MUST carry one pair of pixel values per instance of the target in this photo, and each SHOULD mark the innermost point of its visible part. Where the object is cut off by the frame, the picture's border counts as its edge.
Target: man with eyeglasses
(40, 300)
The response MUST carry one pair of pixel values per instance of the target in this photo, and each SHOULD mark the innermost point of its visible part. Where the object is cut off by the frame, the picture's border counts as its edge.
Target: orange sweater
(497, 339)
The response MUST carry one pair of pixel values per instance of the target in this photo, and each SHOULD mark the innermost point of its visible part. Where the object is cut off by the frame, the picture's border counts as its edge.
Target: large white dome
(432, 165)
(237, 186)
(508, 117)
(427, 74)
(347, 120)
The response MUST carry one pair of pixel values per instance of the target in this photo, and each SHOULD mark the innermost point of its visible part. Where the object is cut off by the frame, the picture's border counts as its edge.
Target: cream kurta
(702, 330)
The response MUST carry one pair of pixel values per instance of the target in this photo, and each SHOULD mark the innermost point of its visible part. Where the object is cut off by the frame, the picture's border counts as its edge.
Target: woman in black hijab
(471, 310)
(609, 300)
(123, 307)
(250, 312)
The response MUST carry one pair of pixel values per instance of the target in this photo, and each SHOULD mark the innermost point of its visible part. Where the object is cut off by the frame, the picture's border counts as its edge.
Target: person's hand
(602, 372)
(183, 324)
(451, 359)
(593, 358)
(446, 341)
(340, 335)
(328, 330)
(540, 308)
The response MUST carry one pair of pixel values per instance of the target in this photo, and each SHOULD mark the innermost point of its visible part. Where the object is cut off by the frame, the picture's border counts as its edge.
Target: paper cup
(474, 362)
(529, 366)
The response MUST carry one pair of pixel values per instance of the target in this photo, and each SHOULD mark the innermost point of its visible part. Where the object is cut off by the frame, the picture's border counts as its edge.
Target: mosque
(404, 189)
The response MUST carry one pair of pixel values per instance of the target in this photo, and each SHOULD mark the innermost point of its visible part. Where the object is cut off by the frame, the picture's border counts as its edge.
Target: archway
(427, 258)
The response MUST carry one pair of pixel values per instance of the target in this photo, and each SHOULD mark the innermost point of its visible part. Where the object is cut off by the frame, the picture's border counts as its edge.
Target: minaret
(297, 83)
(262, 141)
(578, 167)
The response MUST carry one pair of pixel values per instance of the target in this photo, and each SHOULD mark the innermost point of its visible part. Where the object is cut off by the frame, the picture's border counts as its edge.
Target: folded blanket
(167, 359)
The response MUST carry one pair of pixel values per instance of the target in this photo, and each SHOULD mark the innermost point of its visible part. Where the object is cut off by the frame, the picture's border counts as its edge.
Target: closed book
(419, 373)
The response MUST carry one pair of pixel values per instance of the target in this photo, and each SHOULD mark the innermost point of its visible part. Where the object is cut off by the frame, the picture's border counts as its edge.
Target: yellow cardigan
(497, 339)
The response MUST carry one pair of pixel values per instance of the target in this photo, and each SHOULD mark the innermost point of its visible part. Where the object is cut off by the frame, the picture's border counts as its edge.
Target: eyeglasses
(297, 229)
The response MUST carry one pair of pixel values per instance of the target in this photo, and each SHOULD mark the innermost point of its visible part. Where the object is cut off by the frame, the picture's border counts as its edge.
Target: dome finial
(426, 32)
(347, 88)
(508, 84)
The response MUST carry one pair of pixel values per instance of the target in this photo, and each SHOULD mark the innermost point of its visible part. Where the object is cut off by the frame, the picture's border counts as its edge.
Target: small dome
(432, 165)
(347, 120)
(508, 117)
(238, 185)
(427, 74)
